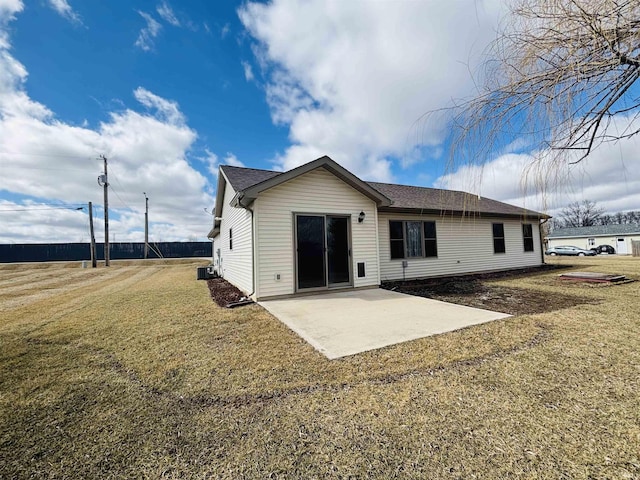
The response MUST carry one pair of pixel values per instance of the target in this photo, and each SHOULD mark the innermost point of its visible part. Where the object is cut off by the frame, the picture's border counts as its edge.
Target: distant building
(617, 236)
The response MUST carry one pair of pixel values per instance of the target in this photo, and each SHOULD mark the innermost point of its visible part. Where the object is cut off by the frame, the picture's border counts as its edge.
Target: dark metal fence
(56, 252)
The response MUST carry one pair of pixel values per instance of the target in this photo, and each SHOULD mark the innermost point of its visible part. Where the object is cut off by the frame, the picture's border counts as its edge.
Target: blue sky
(169, 90)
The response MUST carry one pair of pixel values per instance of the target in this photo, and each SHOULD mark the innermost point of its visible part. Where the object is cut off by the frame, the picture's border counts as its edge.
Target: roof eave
(220, 190)
(462, 213)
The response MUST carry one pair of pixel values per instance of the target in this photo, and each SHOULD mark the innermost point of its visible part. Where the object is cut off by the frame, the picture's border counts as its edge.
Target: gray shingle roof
(242, 178)
(595, 231)
(437, 200)
(427, 200)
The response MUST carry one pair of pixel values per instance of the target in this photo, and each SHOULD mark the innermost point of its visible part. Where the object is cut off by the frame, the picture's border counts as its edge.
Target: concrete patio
(349, 322)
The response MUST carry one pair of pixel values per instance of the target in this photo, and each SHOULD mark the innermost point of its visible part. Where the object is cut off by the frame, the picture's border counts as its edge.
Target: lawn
(132, 371)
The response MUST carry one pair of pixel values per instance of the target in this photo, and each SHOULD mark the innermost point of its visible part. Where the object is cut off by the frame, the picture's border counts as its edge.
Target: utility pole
(105, 185)
(93, 237)
(146, 225)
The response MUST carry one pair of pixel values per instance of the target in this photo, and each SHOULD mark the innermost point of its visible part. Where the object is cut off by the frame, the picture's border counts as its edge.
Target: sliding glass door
(323, 251)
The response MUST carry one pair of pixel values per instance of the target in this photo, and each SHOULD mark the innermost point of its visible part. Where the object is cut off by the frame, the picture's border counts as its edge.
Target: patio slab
(344, 323)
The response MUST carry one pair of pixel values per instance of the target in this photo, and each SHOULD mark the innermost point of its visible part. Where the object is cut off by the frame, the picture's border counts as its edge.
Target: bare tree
(558, 74)
(605, 219)
(581, 214)
(624, 218)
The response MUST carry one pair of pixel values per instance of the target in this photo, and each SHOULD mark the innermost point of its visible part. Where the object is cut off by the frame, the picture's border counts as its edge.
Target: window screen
(430, 243)
(396, 239)
(498, 238)
(527, 236)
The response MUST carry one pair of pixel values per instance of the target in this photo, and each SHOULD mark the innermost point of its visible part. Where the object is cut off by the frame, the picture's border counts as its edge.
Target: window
(412, 239)
(396, 239)
(230, 239)
(498, 238)
(430, 244)
(592, 242)
(527, 236)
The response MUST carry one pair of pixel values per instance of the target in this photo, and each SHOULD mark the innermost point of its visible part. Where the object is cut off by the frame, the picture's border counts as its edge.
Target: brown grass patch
(139, 374)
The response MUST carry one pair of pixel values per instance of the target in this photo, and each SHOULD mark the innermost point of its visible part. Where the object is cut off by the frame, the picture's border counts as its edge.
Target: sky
(167, 91)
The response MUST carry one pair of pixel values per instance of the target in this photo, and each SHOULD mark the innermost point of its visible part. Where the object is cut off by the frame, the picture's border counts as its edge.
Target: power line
(31, 167)
(85, 157)
(37, 209)
(114, 190)
(57, 204)
(119, 198)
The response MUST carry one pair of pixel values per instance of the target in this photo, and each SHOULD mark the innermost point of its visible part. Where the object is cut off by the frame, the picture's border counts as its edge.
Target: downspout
(544, 220)
(237, 202)
(253, 253)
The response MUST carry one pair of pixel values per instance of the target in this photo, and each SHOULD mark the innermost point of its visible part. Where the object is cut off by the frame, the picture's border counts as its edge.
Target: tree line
(588, 214)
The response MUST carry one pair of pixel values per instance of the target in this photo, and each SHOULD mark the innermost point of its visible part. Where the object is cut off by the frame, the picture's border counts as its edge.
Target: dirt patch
(223, 293)
(473, 292)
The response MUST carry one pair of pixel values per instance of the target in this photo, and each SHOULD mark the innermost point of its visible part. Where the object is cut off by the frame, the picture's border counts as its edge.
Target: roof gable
(249, 194)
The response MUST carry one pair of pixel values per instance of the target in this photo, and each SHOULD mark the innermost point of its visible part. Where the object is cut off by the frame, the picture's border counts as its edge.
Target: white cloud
(248, 71)
(224, 31)
(211, 160)
(165, 11)
(45, 160)
(166, 109)
(542, 182)
(8, 11)
(65, 10)
(146, 37)
(352, 78)
(13, 100)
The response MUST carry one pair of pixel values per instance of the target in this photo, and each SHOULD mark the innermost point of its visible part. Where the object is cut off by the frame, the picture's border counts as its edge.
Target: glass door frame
(327, 286)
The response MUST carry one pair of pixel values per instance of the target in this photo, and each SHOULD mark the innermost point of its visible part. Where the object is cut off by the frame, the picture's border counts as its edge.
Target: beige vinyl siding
(236, 264)
(464, 246)
(583, 242)
(317, 192)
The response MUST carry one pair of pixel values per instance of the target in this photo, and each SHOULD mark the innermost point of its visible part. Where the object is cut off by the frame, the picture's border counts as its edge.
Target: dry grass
(133, 371)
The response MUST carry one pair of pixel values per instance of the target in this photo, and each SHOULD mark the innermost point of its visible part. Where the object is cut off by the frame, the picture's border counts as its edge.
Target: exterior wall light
(361, 217)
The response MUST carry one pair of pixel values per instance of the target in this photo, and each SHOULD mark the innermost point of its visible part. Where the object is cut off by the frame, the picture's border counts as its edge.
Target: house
(318, 227)
(619, 237)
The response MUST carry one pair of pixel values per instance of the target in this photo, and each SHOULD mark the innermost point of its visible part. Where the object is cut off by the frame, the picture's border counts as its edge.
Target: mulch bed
(471, 291)
(223, 293)
(467, 290)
